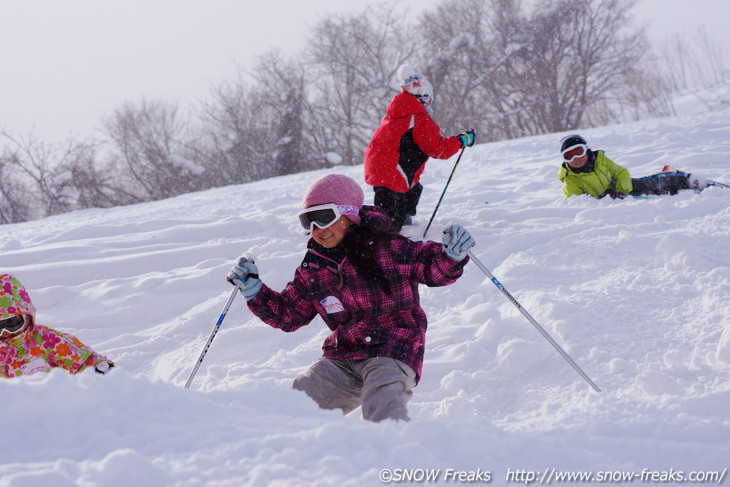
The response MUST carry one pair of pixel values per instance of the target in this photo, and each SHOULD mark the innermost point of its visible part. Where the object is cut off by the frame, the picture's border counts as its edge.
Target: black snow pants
(661, 183)
(398, 206)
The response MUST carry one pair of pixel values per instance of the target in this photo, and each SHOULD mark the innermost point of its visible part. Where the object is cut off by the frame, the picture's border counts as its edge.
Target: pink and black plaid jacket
(365, 321)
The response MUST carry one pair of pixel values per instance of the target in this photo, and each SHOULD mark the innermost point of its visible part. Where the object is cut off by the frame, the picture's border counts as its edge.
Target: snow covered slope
(636, 291)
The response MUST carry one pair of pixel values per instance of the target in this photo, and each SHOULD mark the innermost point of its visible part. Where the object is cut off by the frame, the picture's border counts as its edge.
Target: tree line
(508, 68)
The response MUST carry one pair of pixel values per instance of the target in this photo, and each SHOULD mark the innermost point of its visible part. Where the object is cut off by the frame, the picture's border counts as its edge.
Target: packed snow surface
(636, 291)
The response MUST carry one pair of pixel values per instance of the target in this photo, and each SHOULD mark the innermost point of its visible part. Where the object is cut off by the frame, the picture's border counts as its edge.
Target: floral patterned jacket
(37, 348)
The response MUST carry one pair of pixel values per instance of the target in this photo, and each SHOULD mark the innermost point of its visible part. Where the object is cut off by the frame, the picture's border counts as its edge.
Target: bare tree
(646, 92)
(238, 135)
(288, 155)
(16, 198)
(696, 65)
(539, 67)
(44, 167)
(149, 141)
(284, 85)
(353, 60)
(508, 68)
(99, 187)
(41, 179)
(460, 57)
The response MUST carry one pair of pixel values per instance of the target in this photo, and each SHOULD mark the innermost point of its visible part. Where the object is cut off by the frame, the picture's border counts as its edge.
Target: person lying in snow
(362, 279)
(585, 171)
(27, 348)
(401, 145)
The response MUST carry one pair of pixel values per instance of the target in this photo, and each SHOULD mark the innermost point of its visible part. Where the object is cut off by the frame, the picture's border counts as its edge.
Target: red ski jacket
(401, 145)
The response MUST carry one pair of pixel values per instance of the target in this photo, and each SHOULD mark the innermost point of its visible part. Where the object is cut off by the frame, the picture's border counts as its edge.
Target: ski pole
(210, 338)
(532, 320)
(443, 193)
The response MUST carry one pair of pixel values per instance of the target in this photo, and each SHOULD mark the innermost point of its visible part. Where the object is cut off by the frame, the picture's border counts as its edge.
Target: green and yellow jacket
(598, 175)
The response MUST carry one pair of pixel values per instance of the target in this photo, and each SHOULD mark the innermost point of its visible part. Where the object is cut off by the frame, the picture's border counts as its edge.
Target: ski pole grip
(255, 276)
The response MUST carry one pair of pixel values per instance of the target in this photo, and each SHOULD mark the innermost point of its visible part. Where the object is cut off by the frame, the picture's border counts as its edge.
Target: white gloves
(245, 275)
(457, 240)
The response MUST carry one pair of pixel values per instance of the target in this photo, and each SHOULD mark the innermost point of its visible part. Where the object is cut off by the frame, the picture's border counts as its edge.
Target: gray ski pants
(381, 385)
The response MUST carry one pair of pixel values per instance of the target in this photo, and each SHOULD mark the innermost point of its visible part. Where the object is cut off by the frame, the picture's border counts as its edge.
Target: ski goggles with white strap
(11, 325)
(324, 216)
(572, 153)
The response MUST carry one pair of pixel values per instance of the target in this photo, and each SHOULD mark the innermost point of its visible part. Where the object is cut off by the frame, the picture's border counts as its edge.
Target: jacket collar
(587, 167)
(318, 257)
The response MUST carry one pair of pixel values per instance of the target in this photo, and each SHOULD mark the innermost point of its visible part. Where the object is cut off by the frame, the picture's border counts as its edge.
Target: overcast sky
(66, 64)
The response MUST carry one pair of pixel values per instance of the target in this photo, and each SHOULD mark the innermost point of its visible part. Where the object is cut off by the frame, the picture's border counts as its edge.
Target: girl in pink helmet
(362, 280)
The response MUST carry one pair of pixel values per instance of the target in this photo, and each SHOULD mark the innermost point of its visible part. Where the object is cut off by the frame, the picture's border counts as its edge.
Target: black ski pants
(398, 205)
(661, 183)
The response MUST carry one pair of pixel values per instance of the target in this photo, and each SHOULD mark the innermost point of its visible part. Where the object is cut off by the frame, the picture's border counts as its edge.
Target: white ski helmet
(416, 84)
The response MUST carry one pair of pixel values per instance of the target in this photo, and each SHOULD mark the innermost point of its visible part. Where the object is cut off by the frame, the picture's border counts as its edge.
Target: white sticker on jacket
(37, 365)
(332, 305)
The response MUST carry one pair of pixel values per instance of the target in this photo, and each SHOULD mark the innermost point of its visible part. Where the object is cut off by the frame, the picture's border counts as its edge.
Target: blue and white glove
(245, 275)
(467, 138)
(457, 240)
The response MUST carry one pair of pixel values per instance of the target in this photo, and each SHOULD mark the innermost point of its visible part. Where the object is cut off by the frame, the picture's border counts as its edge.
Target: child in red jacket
(363, 281)
(402, 144)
